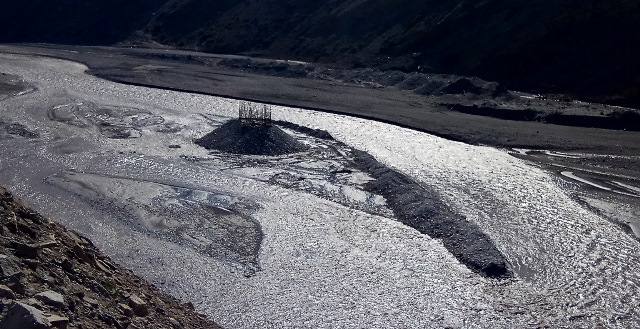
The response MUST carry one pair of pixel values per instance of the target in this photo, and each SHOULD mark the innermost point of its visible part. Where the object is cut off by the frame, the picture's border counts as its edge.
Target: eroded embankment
(617, 120)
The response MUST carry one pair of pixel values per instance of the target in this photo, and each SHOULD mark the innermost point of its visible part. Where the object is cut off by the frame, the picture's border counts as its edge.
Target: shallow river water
(251, 247)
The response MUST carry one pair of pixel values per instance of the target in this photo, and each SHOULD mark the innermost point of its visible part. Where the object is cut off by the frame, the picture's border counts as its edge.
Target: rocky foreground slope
(51, 277)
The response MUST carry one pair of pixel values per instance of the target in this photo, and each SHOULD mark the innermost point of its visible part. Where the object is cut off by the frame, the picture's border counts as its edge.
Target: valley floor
(117, 163)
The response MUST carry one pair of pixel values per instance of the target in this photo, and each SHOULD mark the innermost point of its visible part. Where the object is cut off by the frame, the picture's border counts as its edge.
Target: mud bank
(421, 208)
(617, 120)
(11, 85)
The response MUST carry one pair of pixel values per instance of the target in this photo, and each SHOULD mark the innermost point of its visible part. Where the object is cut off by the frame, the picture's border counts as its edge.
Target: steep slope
(95, 22)
(585, 48)
(51, 277)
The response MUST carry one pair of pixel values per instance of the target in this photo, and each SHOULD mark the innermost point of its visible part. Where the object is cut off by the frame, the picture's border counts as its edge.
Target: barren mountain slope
(584, 48)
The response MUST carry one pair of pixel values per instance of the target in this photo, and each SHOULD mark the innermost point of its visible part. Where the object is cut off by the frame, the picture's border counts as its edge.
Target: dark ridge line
(623, 120)
(421, 208)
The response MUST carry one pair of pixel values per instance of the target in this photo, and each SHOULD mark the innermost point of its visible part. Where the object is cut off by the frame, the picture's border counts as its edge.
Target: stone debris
(58, 321)
(51, 277)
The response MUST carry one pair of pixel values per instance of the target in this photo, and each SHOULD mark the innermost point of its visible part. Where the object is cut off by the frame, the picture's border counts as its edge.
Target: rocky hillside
(581, 47)
(51, 277)
(94, 22)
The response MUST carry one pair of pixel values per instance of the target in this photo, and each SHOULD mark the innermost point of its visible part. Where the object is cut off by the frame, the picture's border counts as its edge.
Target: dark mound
(420, 207)
(8, 129)
(237, 137)
(462, 86)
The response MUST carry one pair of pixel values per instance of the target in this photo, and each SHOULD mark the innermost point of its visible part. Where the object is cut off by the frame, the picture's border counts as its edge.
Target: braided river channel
(294, 241)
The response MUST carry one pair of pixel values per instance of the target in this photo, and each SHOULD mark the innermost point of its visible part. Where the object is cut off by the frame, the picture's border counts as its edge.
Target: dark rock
(22, 316)
(16, 283)
(51, 298)
(8, 266)
(126, 310)
(59, 321)
(139, 307)
(27, 250)
(67, 265)
(6, 292)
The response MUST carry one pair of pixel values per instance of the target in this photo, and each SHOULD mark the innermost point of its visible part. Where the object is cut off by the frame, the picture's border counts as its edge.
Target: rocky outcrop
(51, 277)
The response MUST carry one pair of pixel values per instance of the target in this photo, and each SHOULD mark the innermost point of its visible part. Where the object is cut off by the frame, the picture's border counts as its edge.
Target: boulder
(8, 266)
(51, 298)
(22, 316)
(126, 310)
(6, 292)
(27, 250)
(139, 307)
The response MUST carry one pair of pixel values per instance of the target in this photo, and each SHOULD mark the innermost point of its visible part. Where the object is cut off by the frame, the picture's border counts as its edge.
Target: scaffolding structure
(254, 113)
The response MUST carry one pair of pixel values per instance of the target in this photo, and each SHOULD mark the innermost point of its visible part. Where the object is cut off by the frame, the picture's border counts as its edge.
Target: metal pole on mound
(254, 114)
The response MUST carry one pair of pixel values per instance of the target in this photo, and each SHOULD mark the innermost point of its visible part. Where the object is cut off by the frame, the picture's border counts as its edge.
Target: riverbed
(118, 164)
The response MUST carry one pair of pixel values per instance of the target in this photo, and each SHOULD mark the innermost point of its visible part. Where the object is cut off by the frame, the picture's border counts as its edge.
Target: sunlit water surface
(322, 262)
